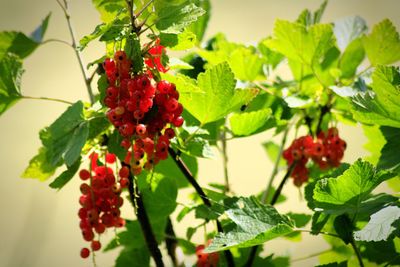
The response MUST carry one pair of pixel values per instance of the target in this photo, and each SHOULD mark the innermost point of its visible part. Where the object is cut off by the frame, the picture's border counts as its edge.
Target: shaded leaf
(10, 81)
(108, 9)
(379, 226)
(255, 224)
(66, 176)
(247, 123)
(389, 159)
(39, 168)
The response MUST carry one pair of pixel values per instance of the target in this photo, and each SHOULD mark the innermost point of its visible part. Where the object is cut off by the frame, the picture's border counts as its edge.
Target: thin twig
(143, 8)
(357, 252)
(171, 242)
(141, 214)
(47, 98)
(276, 166)
(65, 9)
(188, 175)
(225, 160)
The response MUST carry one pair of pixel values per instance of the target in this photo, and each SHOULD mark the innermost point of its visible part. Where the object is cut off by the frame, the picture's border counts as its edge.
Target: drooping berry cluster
(100, 201)
(326, 151)
(142, 110)
(206, 259)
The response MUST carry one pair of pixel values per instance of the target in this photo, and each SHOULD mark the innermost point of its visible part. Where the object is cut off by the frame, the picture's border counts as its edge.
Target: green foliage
(389, 158)
(10, 81)
(255, 224)
(108, 9)
(381, 107)
(200, 25)
(349, 192)
(169, 169)
(243, 124)
(20, 44)
(383, 44)
(380, 226)
(65, 176)
(39, 168)
(174, 18)
(214, 94)
(272, 150)
(66, 136)
(302, 44)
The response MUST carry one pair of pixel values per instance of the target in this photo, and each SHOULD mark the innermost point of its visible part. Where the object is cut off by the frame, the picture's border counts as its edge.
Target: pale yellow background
(38, 226)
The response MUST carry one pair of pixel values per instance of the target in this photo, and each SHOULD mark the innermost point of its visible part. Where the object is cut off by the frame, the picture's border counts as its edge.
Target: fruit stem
(188, 175)
(171, 242)
(65, 9)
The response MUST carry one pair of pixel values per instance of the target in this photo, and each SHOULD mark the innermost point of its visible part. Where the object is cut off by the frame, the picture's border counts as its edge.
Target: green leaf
(20, 44)
(66, 176)
(247, 123)
(381, 252)
(39, 168)
(10, 81)
(383, 44)
(133, 257)
(334, 264)
(65, 137)
(389, 159)
(379, 226)
(106, 32)
(381, 108)
(245, 64)
(217, 97)
(271, 57)
(376, 141)
(272, 150)
(131, 238)
(200, 25)
(109, 9)
(349, 192)
(344, 228)
(348, 29)
(175, 18)
(300, 219)
(351, 58)
(134, 52)
(255, 224)
(181, 41)
(169, 169)
(302, 44)
(159, 195)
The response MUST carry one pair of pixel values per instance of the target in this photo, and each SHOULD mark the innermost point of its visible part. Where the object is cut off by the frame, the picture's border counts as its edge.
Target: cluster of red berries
(326, 151)
(206, 259)
(100, 200)
(142, 110)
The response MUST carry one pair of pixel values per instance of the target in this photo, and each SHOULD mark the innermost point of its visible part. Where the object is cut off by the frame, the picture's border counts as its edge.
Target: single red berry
(96, 245)
(110, 158)
(140, 129)
(85, 252)
(84, 174)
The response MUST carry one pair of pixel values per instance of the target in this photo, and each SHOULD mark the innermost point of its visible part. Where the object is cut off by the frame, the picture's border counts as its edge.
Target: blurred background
(39, 226)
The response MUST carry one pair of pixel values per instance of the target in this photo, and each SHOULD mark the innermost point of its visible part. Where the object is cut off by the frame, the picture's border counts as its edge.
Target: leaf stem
(357, 252)
(65, 9)
(310, 231)
(225, 160)
(276, 165)
(132, 17)
(188, 175)
(54, 40)
(311, 255)
(47, 98)
(143, 219)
